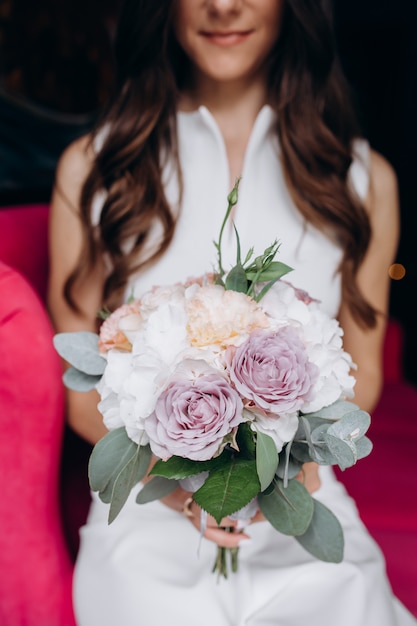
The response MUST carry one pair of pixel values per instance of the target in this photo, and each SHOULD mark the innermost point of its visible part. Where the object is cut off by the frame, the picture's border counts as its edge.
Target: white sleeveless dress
(148, 567)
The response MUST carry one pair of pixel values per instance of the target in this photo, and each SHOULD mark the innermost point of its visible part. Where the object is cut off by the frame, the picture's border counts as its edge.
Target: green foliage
(116, 465)
(155, 489)
(334, 435)
(79, 381)
(228, 488)
(266, 459)
(324, 535)
(177, 468)
(246, 441)
(80, 349)
(288, 509)
(256, 277)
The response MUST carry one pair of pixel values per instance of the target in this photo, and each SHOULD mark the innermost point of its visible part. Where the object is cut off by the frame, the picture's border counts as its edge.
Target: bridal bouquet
(232, 380)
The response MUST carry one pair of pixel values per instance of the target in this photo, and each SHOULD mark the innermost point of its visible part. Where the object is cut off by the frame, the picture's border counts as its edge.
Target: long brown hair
(316, 126)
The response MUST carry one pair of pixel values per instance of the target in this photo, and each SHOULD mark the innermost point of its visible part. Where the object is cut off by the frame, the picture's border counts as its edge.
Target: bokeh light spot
(396, 271)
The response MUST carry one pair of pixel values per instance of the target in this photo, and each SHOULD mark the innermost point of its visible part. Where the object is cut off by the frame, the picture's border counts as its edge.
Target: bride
(208, 91)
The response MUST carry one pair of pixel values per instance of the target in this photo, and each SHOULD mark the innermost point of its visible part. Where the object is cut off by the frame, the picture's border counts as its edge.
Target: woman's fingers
(225, 534)
(309, 476)
(224, 538)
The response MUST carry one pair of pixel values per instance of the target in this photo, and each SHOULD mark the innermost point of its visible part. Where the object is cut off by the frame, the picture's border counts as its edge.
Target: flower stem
(232, 199)
(223, 555)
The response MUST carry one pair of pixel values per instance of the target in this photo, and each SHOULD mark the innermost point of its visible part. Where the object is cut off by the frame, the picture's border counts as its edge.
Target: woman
(209, 91)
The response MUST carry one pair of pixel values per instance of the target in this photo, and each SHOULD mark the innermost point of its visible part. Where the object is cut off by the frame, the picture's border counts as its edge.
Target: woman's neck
(235, 107)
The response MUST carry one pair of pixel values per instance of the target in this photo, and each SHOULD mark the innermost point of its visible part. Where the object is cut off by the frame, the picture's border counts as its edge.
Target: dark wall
(378, 47)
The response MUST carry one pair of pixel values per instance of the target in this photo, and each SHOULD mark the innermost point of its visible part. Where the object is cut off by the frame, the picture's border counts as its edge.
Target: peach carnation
(111, 335)
(221, 317)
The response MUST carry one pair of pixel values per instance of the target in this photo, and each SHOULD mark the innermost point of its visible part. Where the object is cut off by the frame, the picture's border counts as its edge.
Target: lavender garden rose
(194, 414)
(272, 370)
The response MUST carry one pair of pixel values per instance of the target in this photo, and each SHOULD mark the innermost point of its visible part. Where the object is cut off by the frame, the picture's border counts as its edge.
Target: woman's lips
(225, 39)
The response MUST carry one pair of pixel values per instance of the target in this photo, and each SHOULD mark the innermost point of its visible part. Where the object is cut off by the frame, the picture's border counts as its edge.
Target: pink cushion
(34, 560)
(23, 242)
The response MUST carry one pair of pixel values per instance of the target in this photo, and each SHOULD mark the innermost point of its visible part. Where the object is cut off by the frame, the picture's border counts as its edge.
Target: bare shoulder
(77, 155)
(382, 204)
(383, 189)
(73, 168)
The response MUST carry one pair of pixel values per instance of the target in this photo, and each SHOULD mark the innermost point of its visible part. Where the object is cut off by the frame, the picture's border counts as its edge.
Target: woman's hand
(181, 501)
(220, 534)
(309, 476)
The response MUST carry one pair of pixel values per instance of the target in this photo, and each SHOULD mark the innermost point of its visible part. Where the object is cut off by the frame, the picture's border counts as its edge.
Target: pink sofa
(43, 484)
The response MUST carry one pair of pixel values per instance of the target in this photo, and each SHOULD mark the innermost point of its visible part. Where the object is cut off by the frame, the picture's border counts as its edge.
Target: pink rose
(192, 417)
(272, 370)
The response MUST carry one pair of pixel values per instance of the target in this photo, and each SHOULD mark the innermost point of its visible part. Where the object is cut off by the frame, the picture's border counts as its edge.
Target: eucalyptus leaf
(311, 422)
(108, 458)
(300, 452)
(289, 510)
(319, 453)
(334, 411)
(79, 381)
(324, 536)
(80, 349)
(228, 489)
(266, 459)
(314, 451)
(319, 432)
(363, 447)
(351, 426)
(155, 489)
(288, 466)
(106, 494)
(134, 470)
(343, 450)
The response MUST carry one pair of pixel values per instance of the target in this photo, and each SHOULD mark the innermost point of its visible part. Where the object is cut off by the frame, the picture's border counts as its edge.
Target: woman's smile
(227, 38)
(225, 41)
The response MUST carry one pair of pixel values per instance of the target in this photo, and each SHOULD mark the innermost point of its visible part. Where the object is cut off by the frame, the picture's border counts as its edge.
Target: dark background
(56, 71)
(377, 42)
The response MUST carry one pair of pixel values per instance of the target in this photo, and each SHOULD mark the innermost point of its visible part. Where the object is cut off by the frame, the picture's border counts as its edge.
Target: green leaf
(236, 279)
(265, 289)
(363, 447)
(246, 440)
(80, 349)
(334, 411)
(176, 467)
(134, 470)
(324, 536)
(315, 451)
(228, 488)
(343, 450)
(266, 459)
(155, 489)
(79, 381)
(108, 458)
(274, 271)
(300, 451)
(288, 466)
(238, 253)
(289, 510)
(351, 426)
(249, 255)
